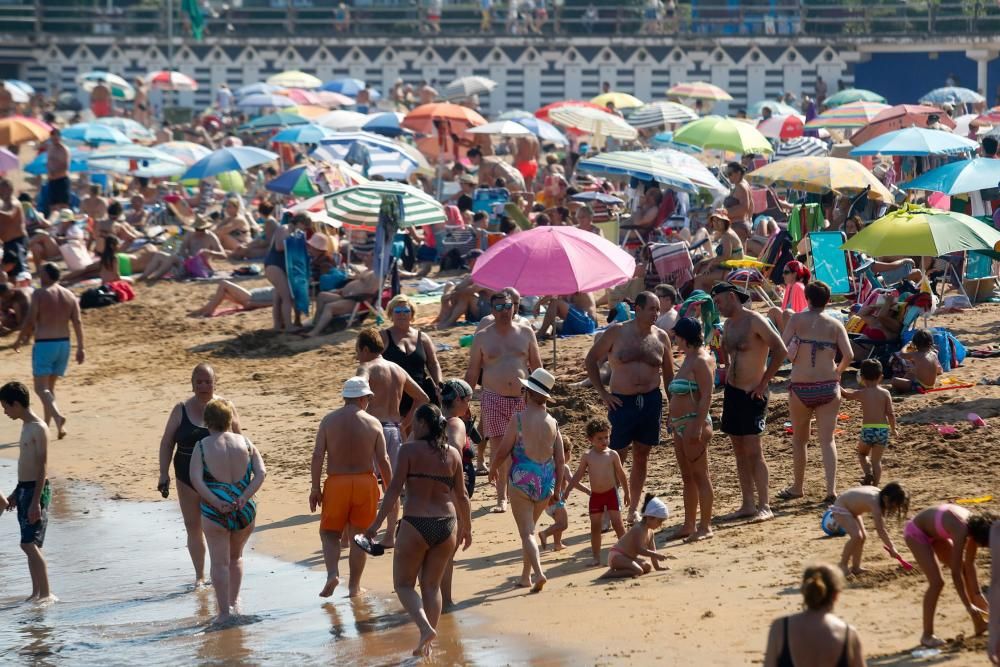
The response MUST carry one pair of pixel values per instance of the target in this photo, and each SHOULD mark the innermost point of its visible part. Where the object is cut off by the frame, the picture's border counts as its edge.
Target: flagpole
(170, 34)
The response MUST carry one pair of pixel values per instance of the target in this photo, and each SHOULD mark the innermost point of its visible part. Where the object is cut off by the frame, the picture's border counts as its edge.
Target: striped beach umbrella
(644, 165)
(593, 121)
(359, 205)
(848, 116)
(801, 147)
(693, 170)
(660, 114)
(376, 155)
(170, 80)
(699, 90)
(119, 87)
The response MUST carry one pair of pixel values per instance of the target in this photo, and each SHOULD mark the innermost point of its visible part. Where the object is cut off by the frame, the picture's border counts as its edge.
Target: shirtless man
(363, 287)
(14, 305)
(57, 169)
(640, 358)
(13, 231)
(526, 152)
(577, 315)
(32, 496)
(196, 253)
(350, 440)
(747, 340)
(464, 298)
(740, 212)
(53, 308)
(492, 167)
(388, 381)
(94, 205)
(503, 353)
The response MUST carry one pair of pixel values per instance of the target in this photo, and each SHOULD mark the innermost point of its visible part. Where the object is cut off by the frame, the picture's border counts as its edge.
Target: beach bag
(123, 290)
(197, 267)
(98, 297)
(332, 279)
(672, 262)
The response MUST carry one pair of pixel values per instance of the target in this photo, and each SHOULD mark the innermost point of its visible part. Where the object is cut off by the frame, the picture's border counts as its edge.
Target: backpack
(98, 297)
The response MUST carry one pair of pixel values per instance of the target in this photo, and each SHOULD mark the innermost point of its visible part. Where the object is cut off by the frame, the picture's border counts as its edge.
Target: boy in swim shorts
(32, 496)
(557, 506)
(877, 419)
(606, 475)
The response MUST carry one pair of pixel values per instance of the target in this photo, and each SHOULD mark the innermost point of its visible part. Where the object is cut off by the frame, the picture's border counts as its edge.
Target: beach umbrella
(820, 175)
(17, 95)
(777, 108)
(698, 90)
(989, 117)
(94, 134)
(294, 79)
(801, 147)
(664, 140)
(387, 124)
(359, 206)
(544, 112)
(265, 101)
(600, 197)
(693, 170)
(916, 141)
(187, 152)
(376, 155)
(295, 181)
(593, 121)
(959, 177)
(952, 95)
(170, 80)
(918, 231)
(17, 130)
(119, 87)
(308, 111)
(782, 127)
(898, 117)
(852, 95)
(723, 134)
(502, 128)
(237, 158)
(644, 165)
(330, 99)
(349, 87)
(39, 167)
(273, 121)
(661, 114)
(545, 131)
(515, 114)
(302, 134)
(458, 118)
(136, 160)
(254, 88)
(130, 128)
(8, 161)
(848, 116)
(467, 86)
(300, 96)
(620, 100)
(553, 261)
(22, 85)
(342, 120)
(971, 124)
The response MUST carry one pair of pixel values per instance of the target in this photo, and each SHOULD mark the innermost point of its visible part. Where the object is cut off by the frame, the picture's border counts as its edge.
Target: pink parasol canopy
(8, 161)
(553, 261)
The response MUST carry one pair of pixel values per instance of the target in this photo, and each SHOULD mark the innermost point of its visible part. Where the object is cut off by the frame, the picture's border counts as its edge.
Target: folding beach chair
(610, 229)
(672, 262)
(829, 263)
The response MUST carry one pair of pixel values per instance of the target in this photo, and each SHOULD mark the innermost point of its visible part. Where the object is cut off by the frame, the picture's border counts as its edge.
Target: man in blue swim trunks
(53, 308)
(640, 358)
(577, 315)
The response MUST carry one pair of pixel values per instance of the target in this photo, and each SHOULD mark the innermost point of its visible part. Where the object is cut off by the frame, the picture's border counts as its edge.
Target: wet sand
(712, 608)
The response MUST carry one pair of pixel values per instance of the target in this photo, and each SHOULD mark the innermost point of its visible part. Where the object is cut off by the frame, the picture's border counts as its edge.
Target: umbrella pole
(554, 355)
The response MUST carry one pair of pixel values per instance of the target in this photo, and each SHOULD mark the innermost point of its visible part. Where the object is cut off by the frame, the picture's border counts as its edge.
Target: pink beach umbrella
(8, 161)
(553, 261)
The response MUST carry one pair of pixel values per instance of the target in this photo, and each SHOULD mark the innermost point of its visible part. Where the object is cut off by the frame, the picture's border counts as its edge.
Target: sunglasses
(787, 271)
(401, 310)
(500, 307)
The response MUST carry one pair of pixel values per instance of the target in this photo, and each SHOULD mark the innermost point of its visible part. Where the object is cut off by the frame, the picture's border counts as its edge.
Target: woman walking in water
(227, 470)
(184, 429)
(535, 446)
(436, 518)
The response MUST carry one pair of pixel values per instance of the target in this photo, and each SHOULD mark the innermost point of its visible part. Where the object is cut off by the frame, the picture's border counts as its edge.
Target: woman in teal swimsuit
(533, 442)
(690, 400)
(226, 471)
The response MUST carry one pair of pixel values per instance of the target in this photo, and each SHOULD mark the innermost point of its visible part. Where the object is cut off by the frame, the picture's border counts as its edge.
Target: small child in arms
(924, 365)
(557, 506)
(877, 420)
(606, 474)
(625, 559)
(893, 500)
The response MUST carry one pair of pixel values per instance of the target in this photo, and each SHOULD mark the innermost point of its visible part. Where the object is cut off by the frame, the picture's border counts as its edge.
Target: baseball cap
(356, 387)
(723, 287)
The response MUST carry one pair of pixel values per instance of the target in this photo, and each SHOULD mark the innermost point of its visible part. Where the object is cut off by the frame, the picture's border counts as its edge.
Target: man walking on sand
(504, 353)
(53, 308)
(350, 440)
(747, 340)
(640, 358)
(32, 496)
(388, 381)
(57, 170)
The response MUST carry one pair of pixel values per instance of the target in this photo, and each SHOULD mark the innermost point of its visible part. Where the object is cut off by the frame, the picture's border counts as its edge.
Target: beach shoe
(369, 547)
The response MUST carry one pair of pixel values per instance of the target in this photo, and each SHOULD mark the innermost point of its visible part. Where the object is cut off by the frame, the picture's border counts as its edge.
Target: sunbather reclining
(252, 299)
(363, 287)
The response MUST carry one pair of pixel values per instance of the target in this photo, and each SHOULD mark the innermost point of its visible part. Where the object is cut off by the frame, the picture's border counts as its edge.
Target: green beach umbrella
(359, 206)
(725, 134)
(923, 232)
(849, 95)
(273, 121)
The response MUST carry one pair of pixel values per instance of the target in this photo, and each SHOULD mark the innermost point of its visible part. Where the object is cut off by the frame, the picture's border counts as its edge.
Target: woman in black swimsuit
(815, 636)
(184, 430)
(430, 530)
(411, 349)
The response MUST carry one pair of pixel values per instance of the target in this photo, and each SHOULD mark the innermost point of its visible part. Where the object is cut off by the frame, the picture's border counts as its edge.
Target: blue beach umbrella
(77, 163)
(273, 121)
(235, 158)
(294, 181)
(959, 177)
(349, 87)
(303, 134)
(94, 134)
(265, 101)
(255, 88)
(544, 130)
(386, 124)
(916, 141)
(952, 95)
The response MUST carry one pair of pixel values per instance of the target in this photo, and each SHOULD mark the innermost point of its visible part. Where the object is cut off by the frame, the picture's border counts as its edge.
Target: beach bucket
(829, 525)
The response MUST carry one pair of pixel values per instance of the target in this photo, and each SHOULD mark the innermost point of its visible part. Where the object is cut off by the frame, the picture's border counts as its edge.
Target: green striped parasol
(359, 206)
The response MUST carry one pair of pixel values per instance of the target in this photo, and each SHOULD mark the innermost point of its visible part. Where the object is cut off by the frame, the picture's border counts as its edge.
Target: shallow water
(122, 574)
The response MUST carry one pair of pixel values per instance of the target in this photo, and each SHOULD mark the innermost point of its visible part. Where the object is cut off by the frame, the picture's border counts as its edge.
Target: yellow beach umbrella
(820, 175)
(294, 79)
(310, 111)
(620, 100)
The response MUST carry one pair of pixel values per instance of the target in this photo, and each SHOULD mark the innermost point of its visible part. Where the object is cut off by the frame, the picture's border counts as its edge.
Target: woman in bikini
(711, 270)
(534, 444)
(952, 534)
(813, 339)
(184, 432)
(436, 519)
(690, 400)
(815, 636)
(226, 470)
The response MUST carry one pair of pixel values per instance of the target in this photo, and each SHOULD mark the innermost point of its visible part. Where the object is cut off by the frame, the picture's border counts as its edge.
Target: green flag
(196, 16)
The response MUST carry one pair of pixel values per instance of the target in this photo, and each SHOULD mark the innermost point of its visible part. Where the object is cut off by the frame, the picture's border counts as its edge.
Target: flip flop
(369, 547)
(785, 494)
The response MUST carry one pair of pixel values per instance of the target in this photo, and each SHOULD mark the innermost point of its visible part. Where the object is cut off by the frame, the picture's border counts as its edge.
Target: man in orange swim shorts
(350, 440)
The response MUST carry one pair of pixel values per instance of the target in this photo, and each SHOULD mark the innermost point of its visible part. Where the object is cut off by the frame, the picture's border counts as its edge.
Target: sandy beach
(712, 607)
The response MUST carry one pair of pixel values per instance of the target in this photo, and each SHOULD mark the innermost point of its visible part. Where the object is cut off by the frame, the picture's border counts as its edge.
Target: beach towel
(701, 307)
(672, 262)
(297, 270)
(803, 219)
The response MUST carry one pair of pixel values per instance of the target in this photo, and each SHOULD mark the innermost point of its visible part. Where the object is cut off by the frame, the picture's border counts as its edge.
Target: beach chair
(980, 279)
(181, 211)
(775, 254)
(754, 282)
(672, 262)
(610, 229)
(492, 201)
(829, 263)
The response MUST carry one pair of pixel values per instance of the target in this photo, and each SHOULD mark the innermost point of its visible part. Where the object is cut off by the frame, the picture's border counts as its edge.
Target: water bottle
(926, 653)
(466, 340)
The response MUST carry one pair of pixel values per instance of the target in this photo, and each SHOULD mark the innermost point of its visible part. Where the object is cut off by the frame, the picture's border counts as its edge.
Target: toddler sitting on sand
(876, 421)
(626, 558)
(893, 500)
(924, 367)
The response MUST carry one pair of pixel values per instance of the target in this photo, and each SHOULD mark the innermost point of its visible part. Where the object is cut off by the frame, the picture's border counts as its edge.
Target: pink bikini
(914, 532)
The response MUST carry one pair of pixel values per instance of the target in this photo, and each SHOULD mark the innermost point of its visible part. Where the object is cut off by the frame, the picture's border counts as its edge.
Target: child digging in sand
(893, 500)
(625, 559)
(606, 475)
(924, 367)
(877, 420)
(557, 506)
